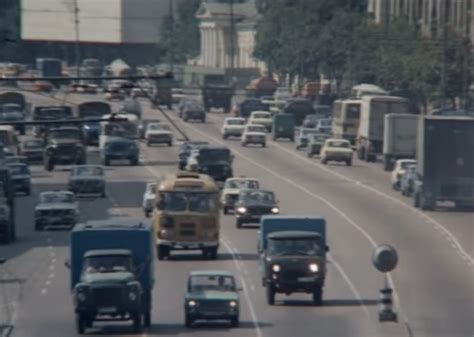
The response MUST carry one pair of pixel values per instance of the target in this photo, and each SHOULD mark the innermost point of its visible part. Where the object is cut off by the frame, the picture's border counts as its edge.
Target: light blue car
(303, 135)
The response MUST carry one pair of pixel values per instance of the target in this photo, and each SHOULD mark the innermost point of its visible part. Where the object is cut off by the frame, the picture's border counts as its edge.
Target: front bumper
(159, 139)
(301, 284)
(254, 140)
(187, 245)
(56, 222)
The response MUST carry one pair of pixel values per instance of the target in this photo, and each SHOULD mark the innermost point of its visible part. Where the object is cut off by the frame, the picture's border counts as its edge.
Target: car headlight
(275, 210)
(241, 209)
(276, 268)
(81, 297)
(233, 304)
(314, 267)
(166, 233)
(192, 303)
(132, 296)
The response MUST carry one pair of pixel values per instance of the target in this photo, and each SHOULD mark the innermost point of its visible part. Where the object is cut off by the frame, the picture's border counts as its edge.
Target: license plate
(108, 310)
(306, 279)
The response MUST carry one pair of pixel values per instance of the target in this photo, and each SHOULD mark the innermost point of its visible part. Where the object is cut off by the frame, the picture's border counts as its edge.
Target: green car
(211, 295)
(283, 126)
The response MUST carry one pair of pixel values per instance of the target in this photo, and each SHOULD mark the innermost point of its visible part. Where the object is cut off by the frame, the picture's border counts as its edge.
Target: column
(214, 47)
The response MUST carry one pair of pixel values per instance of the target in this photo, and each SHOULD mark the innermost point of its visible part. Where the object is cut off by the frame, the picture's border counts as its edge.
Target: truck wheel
(134, 161)
(318, 295)
(28, 192)
(270, 294)
(224, 136)
(324, 161)
(238, 223)
(137, 322)
(349, 162)
(147, 318)
(107, 162)
(264, 144)
(225, 210)
(274, 138)
(292, 139)
(38, 227)
(234, 322)
(147, 214)
(163, 252)
(170, 144)
(416, 200)
(426, 204)
(80, 324)
(188, 321)
(49, 165)
(212, 253)
(360, 153)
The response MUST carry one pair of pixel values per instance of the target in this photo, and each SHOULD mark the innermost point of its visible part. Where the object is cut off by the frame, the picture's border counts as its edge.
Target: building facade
(223, 44)
(430, 16)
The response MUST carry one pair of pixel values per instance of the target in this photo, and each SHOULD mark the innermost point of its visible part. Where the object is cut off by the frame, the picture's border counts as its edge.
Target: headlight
(166, 233)
(276, 268)
(81, 297)
(233, 304)
(132, 296)
(241, 209)
(275, 210)
(192, 303)
(314, 267)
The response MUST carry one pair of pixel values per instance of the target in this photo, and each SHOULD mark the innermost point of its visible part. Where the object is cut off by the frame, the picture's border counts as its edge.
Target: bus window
(353, 111)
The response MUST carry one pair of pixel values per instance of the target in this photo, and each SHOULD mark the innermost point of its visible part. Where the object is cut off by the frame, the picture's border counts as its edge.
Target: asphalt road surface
(434, 282)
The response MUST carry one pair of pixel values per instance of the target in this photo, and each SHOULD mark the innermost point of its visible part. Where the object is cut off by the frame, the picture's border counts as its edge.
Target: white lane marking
(245, 287)
(48, 282)
(53, 260)
(252, 287)
(44, 291)
(427, 218)
(51, 275)
(51, 267)
(351, 285)
(324, 200)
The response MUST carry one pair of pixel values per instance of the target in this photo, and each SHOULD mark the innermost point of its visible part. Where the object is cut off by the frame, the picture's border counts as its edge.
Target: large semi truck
(112, 274)
(445, 162)
(399, 138)
(217, 92)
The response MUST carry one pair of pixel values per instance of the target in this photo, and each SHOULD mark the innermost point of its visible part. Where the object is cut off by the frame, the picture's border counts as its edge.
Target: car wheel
(147, 318)
(188, 321)
(416, 200)
(137, 322)
(80, 324)
(324, 161)
(238, 223)
(163, 252)
(264, 145)
(234, 322)
(270, 293)
(28, 192)
(170, 144)
(349, 162)
(318, 295)
(225, 210)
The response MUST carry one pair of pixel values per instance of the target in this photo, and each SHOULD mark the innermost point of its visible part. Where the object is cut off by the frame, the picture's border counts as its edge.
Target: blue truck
(112, 272)
(293, 255)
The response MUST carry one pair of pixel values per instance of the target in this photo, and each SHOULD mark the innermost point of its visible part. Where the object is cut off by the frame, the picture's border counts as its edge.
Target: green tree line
(338, 39)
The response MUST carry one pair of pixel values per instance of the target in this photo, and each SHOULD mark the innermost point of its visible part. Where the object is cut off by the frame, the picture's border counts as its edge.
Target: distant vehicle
(324, 126)
(303, 135)
(21, 177)
(92, 110)
(177, 94)
(13, 112)
(132, 106)
(32, 149)
(399, 170)
(211, 295)
(127, 127)
(49, 67)
(120, 148)
(88, 180)
(346, 118)
(184, 102)
(338, 150)
(310, 121)
(56, 209)
(262, 86)
(245, 107)
(365, 89)
(16, 160)
(48, 113)
(282, 93)
(233, 127)
(283, 126)
(149, 198)
(254, 134)
(445, 162)
(185, 150)
(64, 146)
(143, 125)
(187, 214)
(325, 111)
(399, 139)
(159, 133)
(217, 92)
(407, 181)
(215, 161)
(316, 143)
(299, 108)
(83, 88)
(231, 190)
(252, 204)
(261, 118)
(193, 112)
(9, 140)
(293, 255)
(43, 86)
(112, 272)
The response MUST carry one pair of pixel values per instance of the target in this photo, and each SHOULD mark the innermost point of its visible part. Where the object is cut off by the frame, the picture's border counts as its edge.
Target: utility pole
(77, 50)
(172, 41)
(232, 39)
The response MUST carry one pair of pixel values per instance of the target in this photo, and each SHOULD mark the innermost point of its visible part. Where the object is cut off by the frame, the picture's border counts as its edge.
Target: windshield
(33, 144)
(211, 283)
(10, 108)
(66, 134)
(353, 111)
(107, 264)
(242, 184)
(306, 132)
(156, 127)
(262, 115)
(255, 128)
(199, 202)
(214, 155)
(257, 196)
(294, 247)
(19, 169)
(52, 198)
(339, 144)
(88, 171)
(235, 122)
(121, 129)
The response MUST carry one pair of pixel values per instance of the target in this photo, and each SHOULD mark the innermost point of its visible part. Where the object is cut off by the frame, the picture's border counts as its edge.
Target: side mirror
(327, 249)
(67, 264)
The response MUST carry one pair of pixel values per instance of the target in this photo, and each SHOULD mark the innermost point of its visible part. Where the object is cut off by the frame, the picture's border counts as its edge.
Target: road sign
(385, 258)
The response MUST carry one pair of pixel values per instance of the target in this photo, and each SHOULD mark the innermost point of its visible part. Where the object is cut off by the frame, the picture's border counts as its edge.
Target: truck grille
(187, 229)
(292, 275)
(214, 306)
(57, 212)
(259, 210)
(68, 149)
(107, 297)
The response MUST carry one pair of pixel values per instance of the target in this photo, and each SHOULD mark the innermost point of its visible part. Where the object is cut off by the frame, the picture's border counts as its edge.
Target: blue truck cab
(112, 272)
(293, 255)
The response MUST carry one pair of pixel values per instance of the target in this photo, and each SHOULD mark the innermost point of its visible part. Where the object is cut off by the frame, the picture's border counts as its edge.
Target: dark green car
(283, 126)
(211, 295)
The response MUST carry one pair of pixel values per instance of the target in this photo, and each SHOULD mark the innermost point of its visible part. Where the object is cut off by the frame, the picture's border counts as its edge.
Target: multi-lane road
(434, 281)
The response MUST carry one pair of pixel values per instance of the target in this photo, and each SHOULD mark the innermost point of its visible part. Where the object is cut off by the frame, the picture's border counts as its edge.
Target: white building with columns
(216, 35)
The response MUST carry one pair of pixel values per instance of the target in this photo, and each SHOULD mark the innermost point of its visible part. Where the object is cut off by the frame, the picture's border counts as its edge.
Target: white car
(282, 93)
(338, 150)
(233, 127)
(254, 134)
(149, 197)
(232, 188)
(262, 118)
(56, 209)
(158, 133)
(399, 171)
